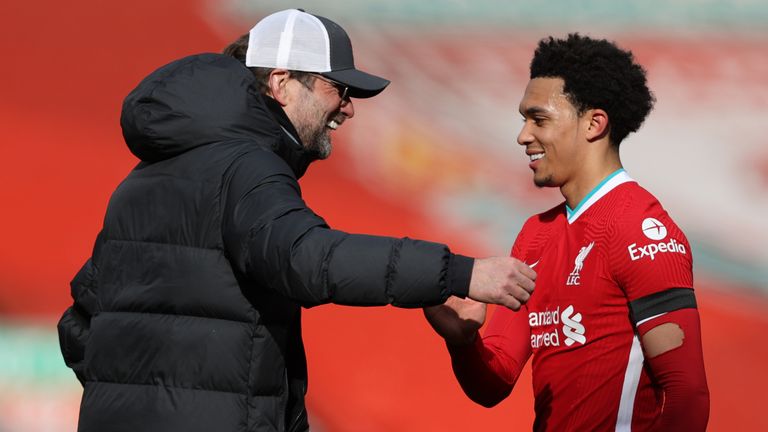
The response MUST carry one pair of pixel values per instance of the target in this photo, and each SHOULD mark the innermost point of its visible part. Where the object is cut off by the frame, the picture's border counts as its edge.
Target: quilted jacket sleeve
(75, 323)
(274, 239)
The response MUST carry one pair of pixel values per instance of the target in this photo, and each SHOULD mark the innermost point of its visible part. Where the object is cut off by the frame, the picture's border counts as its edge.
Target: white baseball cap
(295, 40)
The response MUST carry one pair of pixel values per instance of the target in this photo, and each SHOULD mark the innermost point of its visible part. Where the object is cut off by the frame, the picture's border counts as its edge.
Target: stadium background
(433, 157)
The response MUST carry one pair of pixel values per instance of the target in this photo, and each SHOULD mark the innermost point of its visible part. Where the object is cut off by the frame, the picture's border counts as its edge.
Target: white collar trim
(610, 183)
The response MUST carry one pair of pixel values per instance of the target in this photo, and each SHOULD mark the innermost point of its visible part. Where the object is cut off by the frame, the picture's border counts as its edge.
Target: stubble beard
(312, 129)
(545, 182)
(318, 142)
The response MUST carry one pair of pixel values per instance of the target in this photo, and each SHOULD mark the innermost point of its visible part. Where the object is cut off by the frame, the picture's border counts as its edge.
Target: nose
(347, 108)
(525, 137)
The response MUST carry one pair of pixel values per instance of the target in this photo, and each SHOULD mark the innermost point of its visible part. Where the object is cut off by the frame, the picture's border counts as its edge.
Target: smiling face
(314, 105)
(552, 133)
(315, 112)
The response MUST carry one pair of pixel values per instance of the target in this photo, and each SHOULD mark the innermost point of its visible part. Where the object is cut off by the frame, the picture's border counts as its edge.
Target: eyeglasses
(341, 88)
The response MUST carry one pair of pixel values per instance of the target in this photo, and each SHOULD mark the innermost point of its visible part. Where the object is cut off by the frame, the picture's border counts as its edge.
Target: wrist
(459, 275)
(463, 342)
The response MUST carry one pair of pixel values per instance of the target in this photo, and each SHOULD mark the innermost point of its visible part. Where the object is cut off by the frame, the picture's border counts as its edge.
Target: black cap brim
(361, 84)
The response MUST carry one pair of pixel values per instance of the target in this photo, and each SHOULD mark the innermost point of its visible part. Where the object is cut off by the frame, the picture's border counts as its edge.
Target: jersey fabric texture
(619, 245)
(188, 315)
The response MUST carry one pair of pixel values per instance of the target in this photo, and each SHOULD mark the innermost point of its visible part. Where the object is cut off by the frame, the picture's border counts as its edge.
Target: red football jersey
(618, 245)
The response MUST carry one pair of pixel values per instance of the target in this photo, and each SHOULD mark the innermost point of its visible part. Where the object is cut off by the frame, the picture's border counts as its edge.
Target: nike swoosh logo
(534, 264)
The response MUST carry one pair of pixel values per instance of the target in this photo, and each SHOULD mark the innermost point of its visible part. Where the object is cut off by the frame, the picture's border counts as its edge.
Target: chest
(572, 264)
(576, 298)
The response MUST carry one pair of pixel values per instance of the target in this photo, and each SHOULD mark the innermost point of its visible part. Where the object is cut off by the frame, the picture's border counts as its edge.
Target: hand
(502, 280)
(457, 320)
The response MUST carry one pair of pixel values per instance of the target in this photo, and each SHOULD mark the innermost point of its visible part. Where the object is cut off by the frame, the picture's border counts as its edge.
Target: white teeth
(536, 156)
(333, 124)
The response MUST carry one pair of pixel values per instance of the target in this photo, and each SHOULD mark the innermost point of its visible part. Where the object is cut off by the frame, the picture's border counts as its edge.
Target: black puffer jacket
(187, 316)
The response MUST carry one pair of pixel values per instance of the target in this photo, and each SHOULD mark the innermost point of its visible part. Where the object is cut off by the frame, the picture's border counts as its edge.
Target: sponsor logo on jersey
(654, 230)
(573, 277)
(572, 329)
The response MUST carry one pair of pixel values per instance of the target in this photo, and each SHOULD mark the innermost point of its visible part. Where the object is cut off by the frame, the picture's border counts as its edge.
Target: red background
(66, 68)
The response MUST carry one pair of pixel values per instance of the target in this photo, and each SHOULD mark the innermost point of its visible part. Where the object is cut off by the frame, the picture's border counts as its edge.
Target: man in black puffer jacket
(187, 316)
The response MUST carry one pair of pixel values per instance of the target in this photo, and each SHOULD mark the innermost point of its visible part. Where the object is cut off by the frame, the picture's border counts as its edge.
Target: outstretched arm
(273, 238)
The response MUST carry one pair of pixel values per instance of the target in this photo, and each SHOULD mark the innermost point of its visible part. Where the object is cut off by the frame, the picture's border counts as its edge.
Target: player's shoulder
(639, 208)
(634, 196)
(538, 229)
(635, 201)
(547, 217)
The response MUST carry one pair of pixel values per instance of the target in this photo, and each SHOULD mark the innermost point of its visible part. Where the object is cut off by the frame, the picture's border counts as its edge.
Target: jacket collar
(289, 147)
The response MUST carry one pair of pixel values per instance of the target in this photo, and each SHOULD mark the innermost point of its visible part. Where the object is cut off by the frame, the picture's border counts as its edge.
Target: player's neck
(588, 176)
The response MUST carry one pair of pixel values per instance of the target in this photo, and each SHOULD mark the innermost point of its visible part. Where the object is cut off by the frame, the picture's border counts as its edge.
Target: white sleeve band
(650, 318)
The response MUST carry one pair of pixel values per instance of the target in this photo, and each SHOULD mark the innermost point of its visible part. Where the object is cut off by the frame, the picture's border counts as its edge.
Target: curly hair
(597, 74)
(239, 47)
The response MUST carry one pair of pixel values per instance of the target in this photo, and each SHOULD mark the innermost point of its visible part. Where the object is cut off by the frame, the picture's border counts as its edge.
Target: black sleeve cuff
(459, 275)
(665, 301)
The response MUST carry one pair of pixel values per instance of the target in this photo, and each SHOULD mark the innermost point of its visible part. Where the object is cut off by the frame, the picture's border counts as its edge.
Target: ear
(598, 126)
(277, 85)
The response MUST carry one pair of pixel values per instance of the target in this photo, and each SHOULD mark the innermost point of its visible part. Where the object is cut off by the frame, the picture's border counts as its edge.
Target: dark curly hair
(597, 74)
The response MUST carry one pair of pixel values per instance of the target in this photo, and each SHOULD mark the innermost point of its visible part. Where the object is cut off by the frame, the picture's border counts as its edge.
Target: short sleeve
(648, 252)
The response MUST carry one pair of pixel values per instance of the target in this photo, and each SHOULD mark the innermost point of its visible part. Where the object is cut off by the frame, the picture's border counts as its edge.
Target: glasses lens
(341, 88)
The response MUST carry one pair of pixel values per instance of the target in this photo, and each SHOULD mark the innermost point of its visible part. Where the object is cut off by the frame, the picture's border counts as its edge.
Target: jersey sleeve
(648, 252)
(509, 336)
(681, 374)
(488, 369)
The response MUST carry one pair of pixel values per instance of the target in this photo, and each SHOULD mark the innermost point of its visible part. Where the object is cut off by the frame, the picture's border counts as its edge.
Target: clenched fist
(505, 281)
